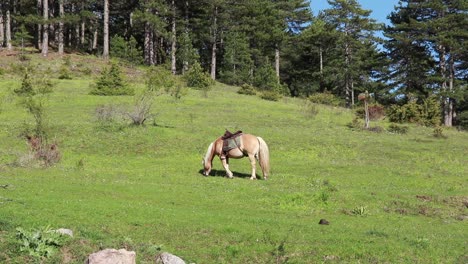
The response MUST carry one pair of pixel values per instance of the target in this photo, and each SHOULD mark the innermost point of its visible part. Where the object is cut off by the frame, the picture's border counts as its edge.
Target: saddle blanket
(231, 143)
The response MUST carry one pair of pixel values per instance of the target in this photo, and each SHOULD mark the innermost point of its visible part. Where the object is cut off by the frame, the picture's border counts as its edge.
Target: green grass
(389, 198)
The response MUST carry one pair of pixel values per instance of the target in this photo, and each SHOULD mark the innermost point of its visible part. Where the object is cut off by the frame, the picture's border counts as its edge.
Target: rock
(112, 256)
(167, 258)
(323, 222)
(64, 231)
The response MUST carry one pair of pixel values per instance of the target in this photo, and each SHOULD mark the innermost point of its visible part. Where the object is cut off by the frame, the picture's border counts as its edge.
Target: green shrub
(271, 95)
(111, 82)
(428, 113)
(326, 99)
(438, 132)
(397, 129)
(356, 124)
(198, 79)
(26, 88)
(158, 78)
(462, 120)
(247, 89)
(64, 73)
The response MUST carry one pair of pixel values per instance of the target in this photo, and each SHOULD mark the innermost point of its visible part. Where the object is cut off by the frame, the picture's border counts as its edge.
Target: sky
(380, 8)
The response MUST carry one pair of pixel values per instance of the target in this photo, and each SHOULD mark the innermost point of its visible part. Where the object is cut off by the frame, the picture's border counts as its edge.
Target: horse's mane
(208, 153)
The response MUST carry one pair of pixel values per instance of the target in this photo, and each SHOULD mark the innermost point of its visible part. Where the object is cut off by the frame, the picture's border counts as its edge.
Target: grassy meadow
(389, 198)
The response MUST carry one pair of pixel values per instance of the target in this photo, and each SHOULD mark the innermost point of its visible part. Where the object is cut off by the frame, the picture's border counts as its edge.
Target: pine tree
(356, 28)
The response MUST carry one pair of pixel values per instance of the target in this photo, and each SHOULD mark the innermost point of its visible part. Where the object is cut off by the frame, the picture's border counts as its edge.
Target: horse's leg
(253, 164)
(226, 167)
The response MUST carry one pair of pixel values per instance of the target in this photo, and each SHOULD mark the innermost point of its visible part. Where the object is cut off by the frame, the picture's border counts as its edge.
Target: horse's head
(206, 167)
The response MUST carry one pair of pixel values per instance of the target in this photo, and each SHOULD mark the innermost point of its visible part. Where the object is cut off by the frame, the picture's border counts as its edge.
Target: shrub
(26, 88)
(141, 109)
(462, 120)
(111, 82)
(247, 89)
(428, 113)
(64, 73)
(397, 129)
(326, 99)
(271, 95)
(356, 124)
(158, 78)
(198, 79)
(438, 132)
(406, 113)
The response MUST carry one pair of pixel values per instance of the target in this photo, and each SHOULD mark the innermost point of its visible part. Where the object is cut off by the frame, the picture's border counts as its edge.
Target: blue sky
(380, 8)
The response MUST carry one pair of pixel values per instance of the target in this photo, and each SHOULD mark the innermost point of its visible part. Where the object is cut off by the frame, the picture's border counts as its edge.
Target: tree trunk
(2, 28)
(185, 63)
(51, 25)
(39, 26)
(45, 34)
(105, 48)
(213, 47)
(173, 40)
(83, 27)
(8, 30)
(60, 36)
(277, 62)
(95, 38)
(148, 44)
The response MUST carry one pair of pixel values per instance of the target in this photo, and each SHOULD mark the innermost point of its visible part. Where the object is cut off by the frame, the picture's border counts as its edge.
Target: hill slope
(388, 197)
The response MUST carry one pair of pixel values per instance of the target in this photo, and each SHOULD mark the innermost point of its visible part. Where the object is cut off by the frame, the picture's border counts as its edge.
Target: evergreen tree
(356, 28)
(237, 64)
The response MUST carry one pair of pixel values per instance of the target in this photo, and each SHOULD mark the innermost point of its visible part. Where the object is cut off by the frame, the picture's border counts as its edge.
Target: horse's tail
(264, 157)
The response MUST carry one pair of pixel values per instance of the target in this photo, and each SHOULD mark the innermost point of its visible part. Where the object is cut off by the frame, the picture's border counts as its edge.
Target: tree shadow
(222, 173)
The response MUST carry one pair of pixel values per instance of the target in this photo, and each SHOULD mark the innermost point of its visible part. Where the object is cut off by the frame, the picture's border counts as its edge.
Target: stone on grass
(112, 256)
(167, 258)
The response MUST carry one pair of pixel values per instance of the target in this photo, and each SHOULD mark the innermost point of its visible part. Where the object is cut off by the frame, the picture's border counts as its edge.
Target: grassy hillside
(389, 198)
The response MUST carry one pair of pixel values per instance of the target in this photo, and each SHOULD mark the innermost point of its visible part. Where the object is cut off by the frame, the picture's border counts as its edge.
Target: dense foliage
(338, 51)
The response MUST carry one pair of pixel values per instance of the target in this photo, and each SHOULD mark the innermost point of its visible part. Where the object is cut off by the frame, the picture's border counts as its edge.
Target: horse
(248, 146)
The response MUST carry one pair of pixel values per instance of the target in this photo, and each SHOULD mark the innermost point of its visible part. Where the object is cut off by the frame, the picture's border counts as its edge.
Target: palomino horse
(248, 146)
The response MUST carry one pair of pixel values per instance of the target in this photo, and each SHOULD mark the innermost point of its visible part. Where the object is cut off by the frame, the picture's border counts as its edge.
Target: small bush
(141, 109)
(462, 120)
(326, 99)
(356, 124)
(438, 132)
(111, 83)
(64, 73)
(247, 89)
(26, 88)
(158, 78)
(271, 95)
(397, 129)
(197, 78)
(427, 113)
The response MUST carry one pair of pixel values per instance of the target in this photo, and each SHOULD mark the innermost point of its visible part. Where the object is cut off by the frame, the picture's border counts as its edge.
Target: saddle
(230, 141)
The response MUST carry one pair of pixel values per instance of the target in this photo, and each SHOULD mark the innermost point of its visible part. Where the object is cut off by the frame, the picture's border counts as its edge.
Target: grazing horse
(246, 145)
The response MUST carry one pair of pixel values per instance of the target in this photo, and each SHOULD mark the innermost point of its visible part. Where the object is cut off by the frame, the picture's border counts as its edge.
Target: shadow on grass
(222, 173)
